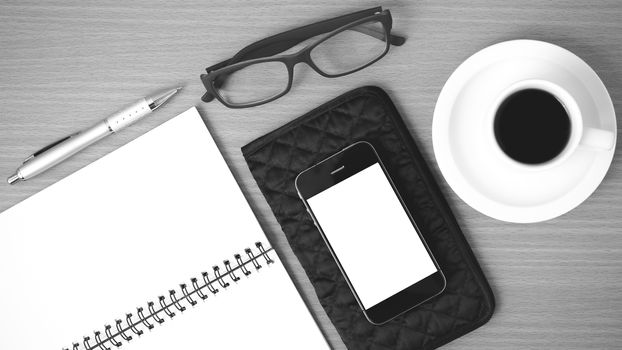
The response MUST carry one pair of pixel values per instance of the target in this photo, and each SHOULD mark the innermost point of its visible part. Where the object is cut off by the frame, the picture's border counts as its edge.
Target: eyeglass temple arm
(284, 41)
(393, 39)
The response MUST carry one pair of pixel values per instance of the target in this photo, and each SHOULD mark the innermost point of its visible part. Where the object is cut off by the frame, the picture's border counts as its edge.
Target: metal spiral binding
(263, 253)
(114, 337)
(228, 267)
(219, 276)
(238, 259)
(186, 295)
(208, 283)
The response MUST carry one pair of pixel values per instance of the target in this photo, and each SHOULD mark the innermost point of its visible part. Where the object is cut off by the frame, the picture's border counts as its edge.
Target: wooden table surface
(67, 64)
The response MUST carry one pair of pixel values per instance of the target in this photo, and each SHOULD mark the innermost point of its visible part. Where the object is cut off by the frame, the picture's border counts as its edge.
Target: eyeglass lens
(254, 83)
(350, 49)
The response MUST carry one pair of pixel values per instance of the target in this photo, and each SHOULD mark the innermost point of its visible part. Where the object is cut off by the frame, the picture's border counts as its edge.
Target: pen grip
(128, 116)
(63, 150)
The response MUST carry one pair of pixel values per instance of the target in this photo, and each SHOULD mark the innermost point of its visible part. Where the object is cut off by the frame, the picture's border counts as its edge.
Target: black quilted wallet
(367, 113)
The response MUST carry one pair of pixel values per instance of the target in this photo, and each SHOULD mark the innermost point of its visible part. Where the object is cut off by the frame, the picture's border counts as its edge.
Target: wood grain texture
(67, 64)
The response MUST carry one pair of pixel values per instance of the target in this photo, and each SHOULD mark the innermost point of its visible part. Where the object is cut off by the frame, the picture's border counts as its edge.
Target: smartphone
(370, 232)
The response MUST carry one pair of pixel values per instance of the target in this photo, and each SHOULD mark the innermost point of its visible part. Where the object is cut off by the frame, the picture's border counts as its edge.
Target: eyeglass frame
(256, 53)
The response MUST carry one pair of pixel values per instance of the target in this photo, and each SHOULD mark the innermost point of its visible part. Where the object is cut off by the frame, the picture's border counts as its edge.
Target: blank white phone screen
(371, 235)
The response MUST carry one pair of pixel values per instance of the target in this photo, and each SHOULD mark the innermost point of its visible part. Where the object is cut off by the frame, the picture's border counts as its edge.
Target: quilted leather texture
(368, 114)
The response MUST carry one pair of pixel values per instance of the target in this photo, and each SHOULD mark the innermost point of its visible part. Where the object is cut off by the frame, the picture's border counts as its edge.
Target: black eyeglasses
(262, 72)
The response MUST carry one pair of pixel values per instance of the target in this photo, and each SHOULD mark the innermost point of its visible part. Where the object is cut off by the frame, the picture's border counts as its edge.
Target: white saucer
(470, 166)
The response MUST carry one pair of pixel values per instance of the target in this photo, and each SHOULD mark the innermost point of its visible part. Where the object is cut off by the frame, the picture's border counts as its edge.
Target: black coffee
(532, 126)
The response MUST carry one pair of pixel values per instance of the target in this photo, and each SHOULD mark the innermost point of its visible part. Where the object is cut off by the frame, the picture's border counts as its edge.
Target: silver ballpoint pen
(55, 153)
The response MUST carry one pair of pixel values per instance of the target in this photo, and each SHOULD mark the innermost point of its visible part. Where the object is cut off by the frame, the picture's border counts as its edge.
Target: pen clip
(55, 143)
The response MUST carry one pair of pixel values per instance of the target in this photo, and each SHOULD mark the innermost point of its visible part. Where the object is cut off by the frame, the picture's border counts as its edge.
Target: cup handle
(598, 139)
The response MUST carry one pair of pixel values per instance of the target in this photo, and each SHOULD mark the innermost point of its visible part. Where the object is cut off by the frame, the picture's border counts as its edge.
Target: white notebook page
(128, 228)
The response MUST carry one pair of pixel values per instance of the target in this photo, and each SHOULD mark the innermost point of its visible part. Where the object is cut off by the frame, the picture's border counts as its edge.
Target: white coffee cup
(582, 133)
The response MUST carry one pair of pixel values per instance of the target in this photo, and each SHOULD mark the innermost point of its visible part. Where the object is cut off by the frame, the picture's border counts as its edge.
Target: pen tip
(158, 100)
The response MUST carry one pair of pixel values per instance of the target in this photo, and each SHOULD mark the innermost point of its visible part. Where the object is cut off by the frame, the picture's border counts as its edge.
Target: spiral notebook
(151, 247)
